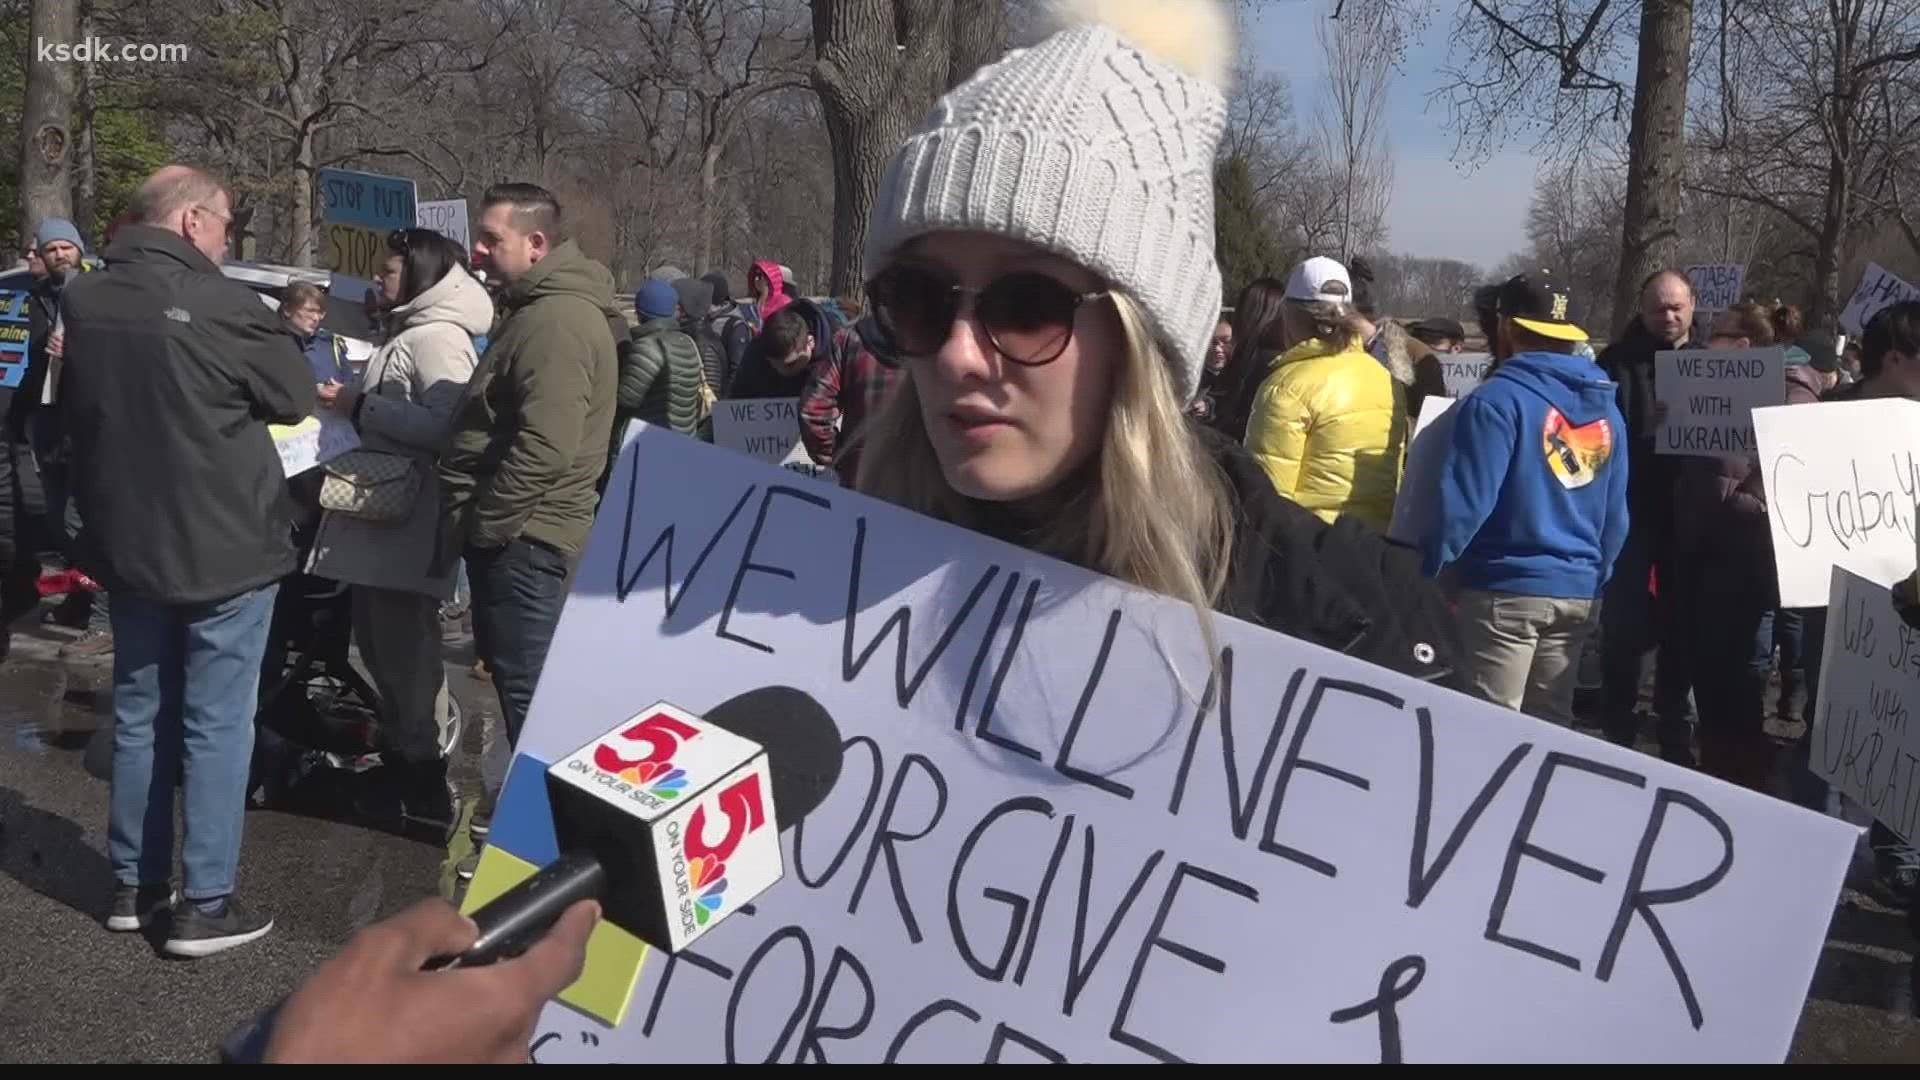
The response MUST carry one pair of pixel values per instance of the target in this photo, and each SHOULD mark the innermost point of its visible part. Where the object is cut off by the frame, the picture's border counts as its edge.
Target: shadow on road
(50, 855)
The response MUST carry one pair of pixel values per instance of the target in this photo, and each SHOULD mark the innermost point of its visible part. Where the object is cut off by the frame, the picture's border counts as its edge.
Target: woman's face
(390, 272)
(1221, 347)
(1002, 430)
(758, 283)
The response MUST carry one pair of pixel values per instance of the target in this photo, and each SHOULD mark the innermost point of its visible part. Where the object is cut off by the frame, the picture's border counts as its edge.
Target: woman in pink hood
(766, 283)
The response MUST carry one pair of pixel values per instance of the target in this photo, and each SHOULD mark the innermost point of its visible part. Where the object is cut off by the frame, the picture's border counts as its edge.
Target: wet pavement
(70, 991)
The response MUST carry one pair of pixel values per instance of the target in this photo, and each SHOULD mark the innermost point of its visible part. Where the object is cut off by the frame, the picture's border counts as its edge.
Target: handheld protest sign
(1061, 834)
(1710, 396)
(1861, 739)
(1841, 480)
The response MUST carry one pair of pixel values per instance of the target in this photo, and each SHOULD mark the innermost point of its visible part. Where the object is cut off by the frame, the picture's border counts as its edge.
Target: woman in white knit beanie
(1041, 254)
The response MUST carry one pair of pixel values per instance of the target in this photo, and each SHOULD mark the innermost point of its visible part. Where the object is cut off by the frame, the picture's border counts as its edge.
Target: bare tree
(46, 138)
(323, 77)
(1815, 142)
(878, 66)
(692, 70)
(1576, 72)
(1352, 125)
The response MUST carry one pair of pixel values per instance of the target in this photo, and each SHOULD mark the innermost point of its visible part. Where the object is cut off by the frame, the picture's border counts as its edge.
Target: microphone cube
(679, 813)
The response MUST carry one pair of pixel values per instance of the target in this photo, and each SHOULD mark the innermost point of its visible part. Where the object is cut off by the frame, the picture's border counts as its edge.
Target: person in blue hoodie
(1533, 497)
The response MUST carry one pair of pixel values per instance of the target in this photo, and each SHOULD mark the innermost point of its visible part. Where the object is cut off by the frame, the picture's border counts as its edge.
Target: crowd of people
(1041, 355)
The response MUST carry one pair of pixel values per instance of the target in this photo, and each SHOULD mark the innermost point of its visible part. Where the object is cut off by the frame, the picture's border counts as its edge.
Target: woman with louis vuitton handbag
(381, 506)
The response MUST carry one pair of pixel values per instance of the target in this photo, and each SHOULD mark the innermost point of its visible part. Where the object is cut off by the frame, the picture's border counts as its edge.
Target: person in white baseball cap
(1320, 280)
(1041, 258)
(1329, 423)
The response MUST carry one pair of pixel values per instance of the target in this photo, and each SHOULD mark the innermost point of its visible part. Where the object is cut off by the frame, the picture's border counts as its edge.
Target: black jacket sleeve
(267, 361)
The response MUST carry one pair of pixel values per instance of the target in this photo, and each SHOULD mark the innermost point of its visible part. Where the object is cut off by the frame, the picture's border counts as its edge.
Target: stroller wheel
(455, 726)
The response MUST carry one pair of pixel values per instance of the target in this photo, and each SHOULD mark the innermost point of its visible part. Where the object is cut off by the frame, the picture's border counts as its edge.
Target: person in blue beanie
(1533, 497)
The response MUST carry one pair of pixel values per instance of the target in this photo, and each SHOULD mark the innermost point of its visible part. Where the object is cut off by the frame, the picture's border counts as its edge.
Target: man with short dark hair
(1533, 498)
(171, 375)
(1631, 620)
(521, 471)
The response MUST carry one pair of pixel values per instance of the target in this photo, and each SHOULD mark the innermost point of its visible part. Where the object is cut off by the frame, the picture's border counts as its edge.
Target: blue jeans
(518, 591)
(186, 684)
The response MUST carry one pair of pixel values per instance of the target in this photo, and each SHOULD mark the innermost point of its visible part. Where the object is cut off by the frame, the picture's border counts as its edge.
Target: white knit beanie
(1096, 144)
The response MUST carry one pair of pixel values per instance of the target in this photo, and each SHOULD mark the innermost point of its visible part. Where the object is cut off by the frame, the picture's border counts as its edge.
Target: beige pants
(398, 634)
(1523, 652)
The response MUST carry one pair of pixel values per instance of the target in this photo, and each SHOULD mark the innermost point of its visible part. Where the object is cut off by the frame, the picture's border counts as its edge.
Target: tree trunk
(46, 141)
(86, 170)
(305, 177)
(1656, 150)
(709, 192)
(878, 66)
(1842, 123)
(979, 37)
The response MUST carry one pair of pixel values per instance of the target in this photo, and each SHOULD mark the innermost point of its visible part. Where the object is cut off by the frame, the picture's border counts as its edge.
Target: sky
(1471, 212)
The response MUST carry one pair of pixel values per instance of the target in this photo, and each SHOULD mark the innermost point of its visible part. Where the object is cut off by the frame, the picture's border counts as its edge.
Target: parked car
(347, 318)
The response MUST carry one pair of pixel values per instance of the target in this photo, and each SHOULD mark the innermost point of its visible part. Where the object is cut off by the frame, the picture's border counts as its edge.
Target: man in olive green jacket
(519, 475)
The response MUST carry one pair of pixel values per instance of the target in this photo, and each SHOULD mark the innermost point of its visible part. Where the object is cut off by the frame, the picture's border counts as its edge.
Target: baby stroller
(316, 711)
(317, 745)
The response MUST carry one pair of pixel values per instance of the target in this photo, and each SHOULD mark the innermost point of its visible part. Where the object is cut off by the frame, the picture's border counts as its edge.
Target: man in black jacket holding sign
(172, 374)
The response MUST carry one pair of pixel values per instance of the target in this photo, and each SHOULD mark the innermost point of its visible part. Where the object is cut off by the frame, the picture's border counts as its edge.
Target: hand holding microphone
(670, 821)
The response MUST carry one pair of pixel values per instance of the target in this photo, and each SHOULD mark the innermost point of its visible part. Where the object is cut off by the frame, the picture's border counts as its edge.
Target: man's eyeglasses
(1028, 315)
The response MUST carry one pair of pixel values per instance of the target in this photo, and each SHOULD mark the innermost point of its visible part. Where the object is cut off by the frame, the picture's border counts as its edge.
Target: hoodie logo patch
(1576, 455)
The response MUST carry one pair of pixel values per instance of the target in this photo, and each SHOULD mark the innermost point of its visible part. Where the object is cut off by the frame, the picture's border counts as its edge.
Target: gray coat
(412, 387)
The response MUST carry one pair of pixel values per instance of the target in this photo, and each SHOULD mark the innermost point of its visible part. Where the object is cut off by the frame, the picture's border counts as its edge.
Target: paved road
(70, 991)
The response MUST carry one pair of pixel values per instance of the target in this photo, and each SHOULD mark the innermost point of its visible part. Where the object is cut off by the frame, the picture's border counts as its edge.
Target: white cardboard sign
(1879, 288)
(313, 442)
(448, 217)
(1417, 509)
(1842, 479)
(1710, 396)
(766, 429)
(1462, 372)
(1053, 839)
(1864, 741)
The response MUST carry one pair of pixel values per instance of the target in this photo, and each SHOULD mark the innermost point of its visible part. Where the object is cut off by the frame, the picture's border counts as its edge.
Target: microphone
(671, 821)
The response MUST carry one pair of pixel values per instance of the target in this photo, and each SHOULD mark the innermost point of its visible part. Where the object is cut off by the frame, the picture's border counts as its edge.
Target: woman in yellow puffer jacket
(1329, 421)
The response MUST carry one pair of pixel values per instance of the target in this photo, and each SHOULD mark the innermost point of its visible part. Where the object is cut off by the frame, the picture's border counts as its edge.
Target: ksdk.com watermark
(102, 51)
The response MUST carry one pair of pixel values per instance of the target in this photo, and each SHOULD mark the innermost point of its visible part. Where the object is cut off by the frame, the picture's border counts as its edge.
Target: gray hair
(171, 190)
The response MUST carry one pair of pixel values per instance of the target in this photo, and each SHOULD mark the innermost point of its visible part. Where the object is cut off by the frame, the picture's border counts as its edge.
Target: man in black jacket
(1630, 620)
(172, 374)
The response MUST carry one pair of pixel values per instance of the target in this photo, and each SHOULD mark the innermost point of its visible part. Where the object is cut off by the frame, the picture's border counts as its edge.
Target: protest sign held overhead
(357, 211)
(1842, 479)
(448, 217)
(1059, 833)
(1710, 395)
(1716, 286)
(767, 429)
(1879, 288)
(1864, 741)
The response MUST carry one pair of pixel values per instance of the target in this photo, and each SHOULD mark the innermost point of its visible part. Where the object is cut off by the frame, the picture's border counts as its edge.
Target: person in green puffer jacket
(660, 376)
(520, 474)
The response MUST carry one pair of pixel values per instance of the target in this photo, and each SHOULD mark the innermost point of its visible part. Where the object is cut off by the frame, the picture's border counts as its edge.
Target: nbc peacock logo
(708, 877)
(745, 812)
(659, 779)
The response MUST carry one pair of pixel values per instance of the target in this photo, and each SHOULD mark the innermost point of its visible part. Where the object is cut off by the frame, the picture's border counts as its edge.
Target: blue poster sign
(369, 200)
(13, 337)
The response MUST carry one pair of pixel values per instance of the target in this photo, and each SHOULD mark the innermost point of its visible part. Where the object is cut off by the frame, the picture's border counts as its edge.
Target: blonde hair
(1155, 511)
(1331, 321)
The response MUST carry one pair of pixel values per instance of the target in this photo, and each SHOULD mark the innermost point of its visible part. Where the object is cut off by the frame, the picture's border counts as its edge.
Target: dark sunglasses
(1028, 315)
